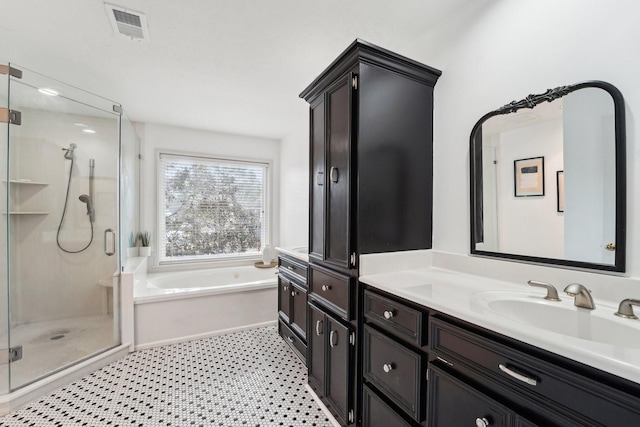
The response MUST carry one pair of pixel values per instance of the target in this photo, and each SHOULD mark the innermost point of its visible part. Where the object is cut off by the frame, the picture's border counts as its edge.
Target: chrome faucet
(552, 292)
(626, 310)
(582, 296)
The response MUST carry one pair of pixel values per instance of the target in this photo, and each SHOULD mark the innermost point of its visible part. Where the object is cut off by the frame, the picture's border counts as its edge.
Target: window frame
(211, 260)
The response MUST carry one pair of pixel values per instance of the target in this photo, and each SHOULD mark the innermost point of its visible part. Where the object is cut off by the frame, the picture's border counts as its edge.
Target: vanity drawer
(396, 370)
(397, 318)
(528, 375)
(453, 403)
(333, 290)
(376, 413)
(298, 346)
(292, 267)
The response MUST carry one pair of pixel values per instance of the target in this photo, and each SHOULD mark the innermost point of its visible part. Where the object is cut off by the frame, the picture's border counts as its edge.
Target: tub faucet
(582, 296)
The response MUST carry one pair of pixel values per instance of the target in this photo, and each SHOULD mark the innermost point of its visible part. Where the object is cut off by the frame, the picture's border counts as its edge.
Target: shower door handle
(109, 243)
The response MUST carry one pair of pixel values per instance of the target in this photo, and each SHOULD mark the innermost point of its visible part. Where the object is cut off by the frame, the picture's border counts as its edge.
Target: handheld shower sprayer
(68, 152)
(86, 199)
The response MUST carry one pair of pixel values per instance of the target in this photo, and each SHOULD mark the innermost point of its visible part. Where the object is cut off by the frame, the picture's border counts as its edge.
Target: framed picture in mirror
(528, 178)
(560, 190)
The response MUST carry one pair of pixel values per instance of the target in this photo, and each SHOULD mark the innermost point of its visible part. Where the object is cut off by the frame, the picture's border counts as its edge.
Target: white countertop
(299, 252)
(455, 294)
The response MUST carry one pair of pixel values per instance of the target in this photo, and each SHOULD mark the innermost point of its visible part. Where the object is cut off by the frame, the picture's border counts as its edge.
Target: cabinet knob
(284, 288)
(482, 422)
(388, 314)
(326, 287)
(388, 367)
(293, 293)
(290, 267)
(290, 339)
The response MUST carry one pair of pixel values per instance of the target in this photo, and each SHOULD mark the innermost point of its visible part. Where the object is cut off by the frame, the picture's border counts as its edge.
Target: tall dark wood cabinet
(371, 163)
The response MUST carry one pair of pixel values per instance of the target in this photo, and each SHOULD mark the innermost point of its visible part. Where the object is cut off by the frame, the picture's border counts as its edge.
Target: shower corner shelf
(26, 182)
(26, 213)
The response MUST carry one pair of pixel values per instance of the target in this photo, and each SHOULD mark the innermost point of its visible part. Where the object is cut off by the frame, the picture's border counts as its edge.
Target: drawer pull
(290, 267)
(388, 314)
(520, 377)
(482, 422)
(318, 327)
(331, 342)
(325, 288)
(388, 367)
(290, 339)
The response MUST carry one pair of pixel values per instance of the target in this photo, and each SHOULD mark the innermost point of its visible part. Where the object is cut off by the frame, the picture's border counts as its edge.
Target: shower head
(68, 152)
(86, 199)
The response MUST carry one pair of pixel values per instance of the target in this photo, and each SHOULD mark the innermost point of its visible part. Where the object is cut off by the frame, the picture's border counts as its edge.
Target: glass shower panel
(4, 280)
(62, 221)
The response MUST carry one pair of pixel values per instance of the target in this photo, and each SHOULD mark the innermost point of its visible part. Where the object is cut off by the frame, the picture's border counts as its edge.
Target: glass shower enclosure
(59, 211)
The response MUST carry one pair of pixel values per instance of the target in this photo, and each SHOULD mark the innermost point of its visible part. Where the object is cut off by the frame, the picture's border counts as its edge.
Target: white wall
(157, 137)
(294, 211)
(506, 49)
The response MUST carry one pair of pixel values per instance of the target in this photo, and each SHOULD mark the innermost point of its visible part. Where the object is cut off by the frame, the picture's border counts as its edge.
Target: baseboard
(204, 335)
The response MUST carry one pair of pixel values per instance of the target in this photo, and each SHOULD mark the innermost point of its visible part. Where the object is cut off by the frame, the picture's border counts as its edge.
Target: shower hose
(64, 212)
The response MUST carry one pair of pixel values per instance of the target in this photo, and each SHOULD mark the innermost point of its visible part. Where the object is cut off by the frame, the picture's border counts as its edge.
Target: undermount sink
(599, 325)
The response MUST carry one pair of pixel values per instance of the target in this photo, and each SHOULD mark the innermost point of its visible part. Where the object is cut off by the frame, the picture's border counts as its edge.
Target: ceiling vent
(128, 23)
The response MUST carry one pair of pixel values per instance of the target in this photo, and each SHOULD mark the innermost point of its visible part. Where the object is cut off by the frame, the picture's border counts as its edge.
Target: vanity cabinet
(330, 364)
(371, 155)
(292, 303)
(534, 387)
(394, 360)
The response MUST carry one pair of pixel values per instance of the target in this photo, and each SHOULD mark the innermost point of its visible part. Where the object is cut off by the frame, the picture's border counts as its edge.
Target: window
(211, 209)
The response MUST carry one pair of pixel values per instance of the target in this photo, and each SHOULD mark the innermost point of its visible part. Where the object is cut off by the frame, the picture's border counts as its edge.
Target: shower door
(61, 213)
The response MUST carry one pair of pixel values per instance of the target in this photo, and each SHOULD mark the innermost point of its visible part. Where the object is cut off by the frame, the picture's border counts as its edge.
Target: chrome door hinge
(117, 108)
(13, 72)
(354, 82)
(13, 117)
(350, 416)
(352, 338)
(8, 355)
(353, 259)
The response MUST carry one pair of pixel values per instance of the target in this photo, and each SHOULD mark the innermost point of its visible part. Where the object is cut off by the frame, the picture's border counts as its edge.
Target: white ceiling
(226, 65)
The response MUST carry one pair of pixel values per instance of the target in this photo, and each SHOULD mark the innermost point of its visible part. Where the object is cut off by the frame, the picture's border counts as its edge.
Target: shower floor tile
(249, 378)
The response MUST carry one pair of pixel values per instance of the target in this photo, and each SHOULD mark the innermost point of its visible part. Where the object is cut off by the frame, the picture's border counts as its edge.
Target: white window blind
(211, 208)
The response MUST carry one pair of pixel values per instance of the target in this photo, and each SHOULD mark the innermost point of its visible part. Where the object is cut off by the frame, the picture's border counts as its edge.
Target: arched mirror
(548, 179)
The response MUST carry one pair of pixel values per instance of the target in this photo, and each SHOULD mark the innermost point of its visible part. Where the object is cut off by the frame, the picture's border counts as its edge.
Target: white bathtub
(174, 307)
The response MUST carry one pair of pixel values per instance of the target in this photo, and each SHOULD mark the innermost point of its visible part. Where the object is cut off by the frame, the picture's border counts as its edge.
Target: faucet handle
(626, 310)
(552, 292)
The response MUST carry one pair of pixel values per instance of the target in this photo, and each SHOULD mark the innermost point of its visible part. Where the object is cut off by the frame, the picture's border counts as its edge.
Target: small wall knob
(482, 422)
(388, 314)
(387, 367)
(610, 246)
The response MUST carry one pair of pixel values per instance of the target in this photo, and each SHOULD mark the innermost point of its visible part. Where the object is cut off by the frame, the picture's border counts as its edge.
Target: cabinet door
(339, 367)
(284, 289)
(299, 310)
(316, 349)
(338, 196)
(453, 403)
(317, 180)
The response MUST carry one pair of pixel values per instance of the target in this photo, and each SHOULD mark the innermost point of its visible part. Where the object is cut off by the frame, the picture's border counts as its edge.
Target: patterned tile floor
(248, 378)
